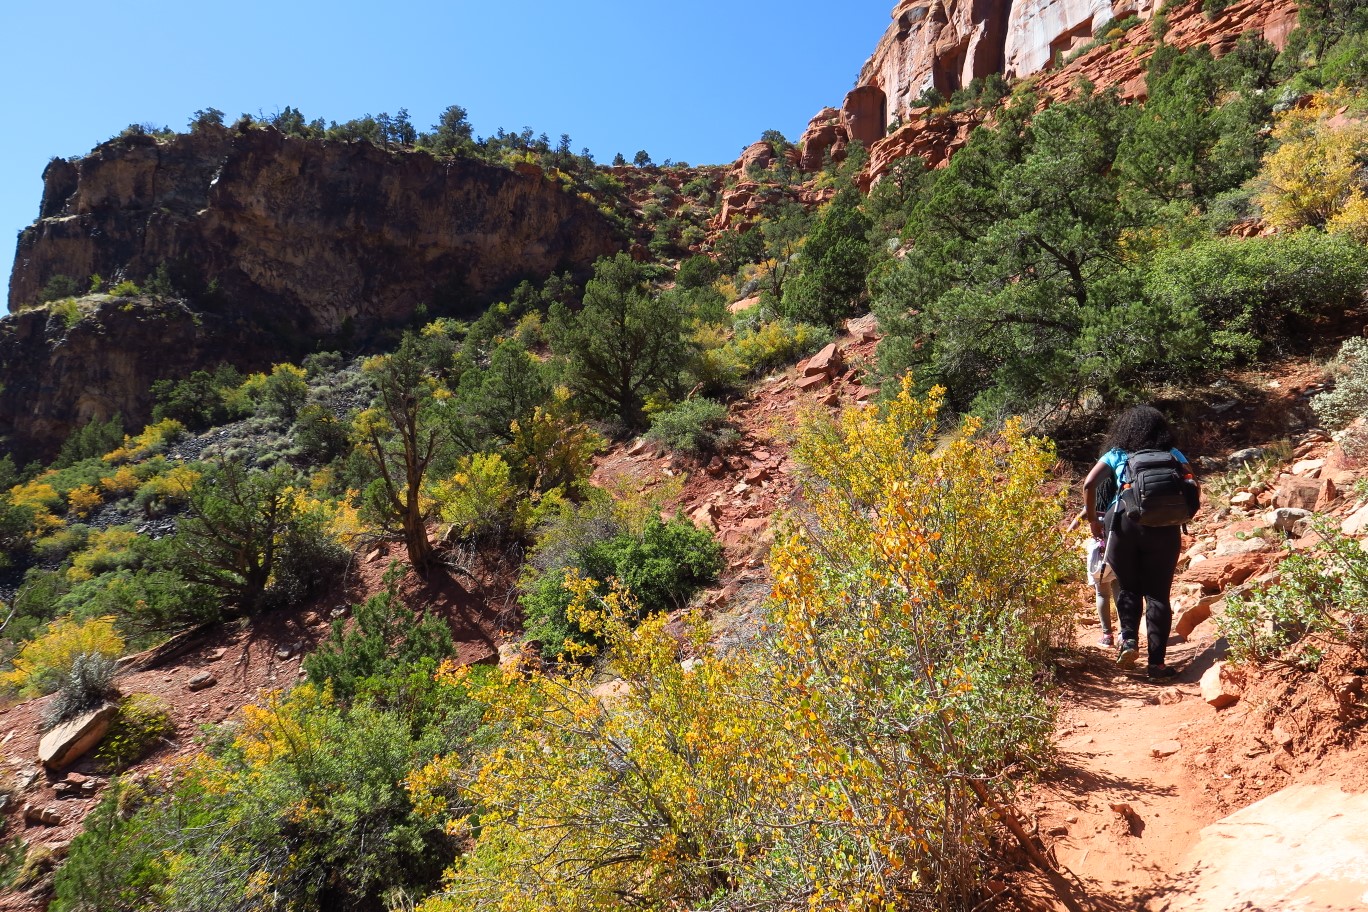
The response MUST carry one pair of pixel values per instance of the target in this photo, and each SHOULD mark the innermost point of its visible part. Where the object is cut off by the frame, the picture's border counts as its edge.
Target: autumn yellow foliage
(853, 758)
(153, 439)
(1314, 174)
(82, 499)
(40, 664)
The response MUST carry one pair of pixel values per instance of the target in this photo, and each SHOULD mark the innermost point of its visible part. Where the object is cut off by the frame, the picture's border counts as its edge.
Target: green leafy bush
(304, 802)
(777, 343)
(143, 722)
(693, 426)
(115, 863)
(661, 567)
(386, 637)
(1319, 601)
(1251, 293)
(1349, 399)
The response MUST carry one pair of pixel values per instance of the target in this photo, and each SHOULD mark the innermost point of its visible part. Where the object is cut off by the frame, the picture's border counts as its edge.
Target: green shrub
(198, 401)
(385, 637)
(94, 439)
(1319, 601)
(143, 722)
(1339, 407)
(58, 287)
(304, 806)
(694, 426)
(87, 684)
(125, 289)
(147, 603)
(661, 567)
(115, 863)
(1252, 293)
(57, 546)
(773, 344)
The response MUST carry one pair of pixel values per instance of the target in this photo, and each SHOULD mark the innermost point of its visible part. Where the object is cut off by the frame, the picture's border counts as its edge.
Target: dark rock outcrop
(283, 245)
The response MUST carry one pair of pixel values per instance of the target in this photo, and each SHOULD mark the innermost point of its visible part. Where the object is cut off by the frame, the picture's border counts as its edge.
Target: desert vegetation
(864, 748)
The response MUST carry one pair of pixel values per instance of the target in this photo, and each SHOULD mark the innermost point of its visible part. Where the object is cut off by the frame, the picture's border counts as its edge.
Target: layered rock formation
(945, 44)
(285, 245)
(320, 231)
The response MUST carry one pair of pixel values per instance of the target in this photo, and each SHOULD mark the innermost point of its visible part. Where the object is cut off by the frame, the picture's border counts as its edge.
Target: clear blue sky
(693, 81)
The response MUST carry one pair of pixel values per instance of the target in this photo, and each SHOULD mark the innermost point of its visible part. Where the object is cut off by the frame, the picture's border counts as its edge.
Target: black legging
(1145, 559)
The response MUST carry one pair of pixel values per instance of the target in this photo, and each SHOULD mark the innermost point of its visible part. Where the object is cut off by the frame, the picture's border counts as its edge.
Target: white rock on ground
(1304, 847)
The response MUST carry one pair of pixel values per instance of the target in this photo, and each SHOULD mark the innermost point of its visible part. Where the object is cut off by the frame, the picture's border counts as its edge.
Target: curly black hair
(1143, 427)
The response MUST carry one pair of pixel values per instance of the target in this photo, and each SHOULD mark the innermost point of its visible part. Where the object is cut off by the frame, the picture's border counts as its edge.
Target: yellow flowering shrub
(1315, 171)
(856, 757)
(82, 499)
(123, 482)
(41, 664)
(153, 439)
(104, 551)
(479, 497)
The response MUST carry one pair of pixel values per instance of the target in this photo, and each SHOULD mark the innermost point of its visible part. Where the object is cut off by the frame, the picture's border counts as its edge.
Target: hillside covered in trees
(533, 665)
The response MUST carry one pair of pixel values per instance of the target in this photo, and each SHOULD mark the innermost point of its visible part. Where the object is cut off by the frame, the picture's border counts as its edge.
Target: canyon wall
(283, 246)
(946, 44)
(317, 232)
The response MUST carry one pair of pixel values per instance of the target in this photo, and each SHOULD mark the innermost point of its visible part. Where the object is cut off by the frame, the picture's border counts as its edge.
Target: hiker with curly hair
(1142, 527)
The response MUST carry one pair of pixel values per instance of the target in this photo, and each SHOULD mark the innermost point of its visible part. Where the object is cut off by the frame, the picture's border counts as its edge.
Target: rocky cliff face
(945, 44)
(285, 245)
(59, 375)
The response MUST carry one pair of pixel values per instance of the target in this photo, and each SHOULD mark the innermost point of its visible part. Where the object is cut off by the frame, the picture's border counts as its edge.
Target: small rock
(1299, 492)
(47, 816)
(1170, 696)
(1242, 499)
(705, 517)
(1219, 688)
(284, 652)
(1058, 831)
(1308, 467)
(216, 654)
(68, 742)
(827, 362)
(1356, 523)
(1192, 617)
(201, 681)
(1165, 749)
(1285, 519)
(1125, 810)
(1248, 454)
(1281, 737)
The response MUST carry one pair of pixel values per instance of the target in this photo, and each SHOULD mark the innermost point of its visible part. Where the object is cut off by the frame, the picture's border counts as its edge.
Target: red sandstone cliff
(945, 44)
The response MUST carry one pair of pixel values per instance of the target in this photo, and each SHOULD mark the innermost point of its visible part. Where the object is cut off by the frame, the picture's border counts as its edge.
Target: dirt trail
(1124, 807)
(1145, 768)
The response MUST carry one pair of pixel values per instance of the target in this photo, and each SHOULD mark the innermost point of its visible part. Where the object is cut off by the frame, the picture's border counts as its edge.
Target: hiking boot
(1160, 672)
(1107, 641)
(1129, 654)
